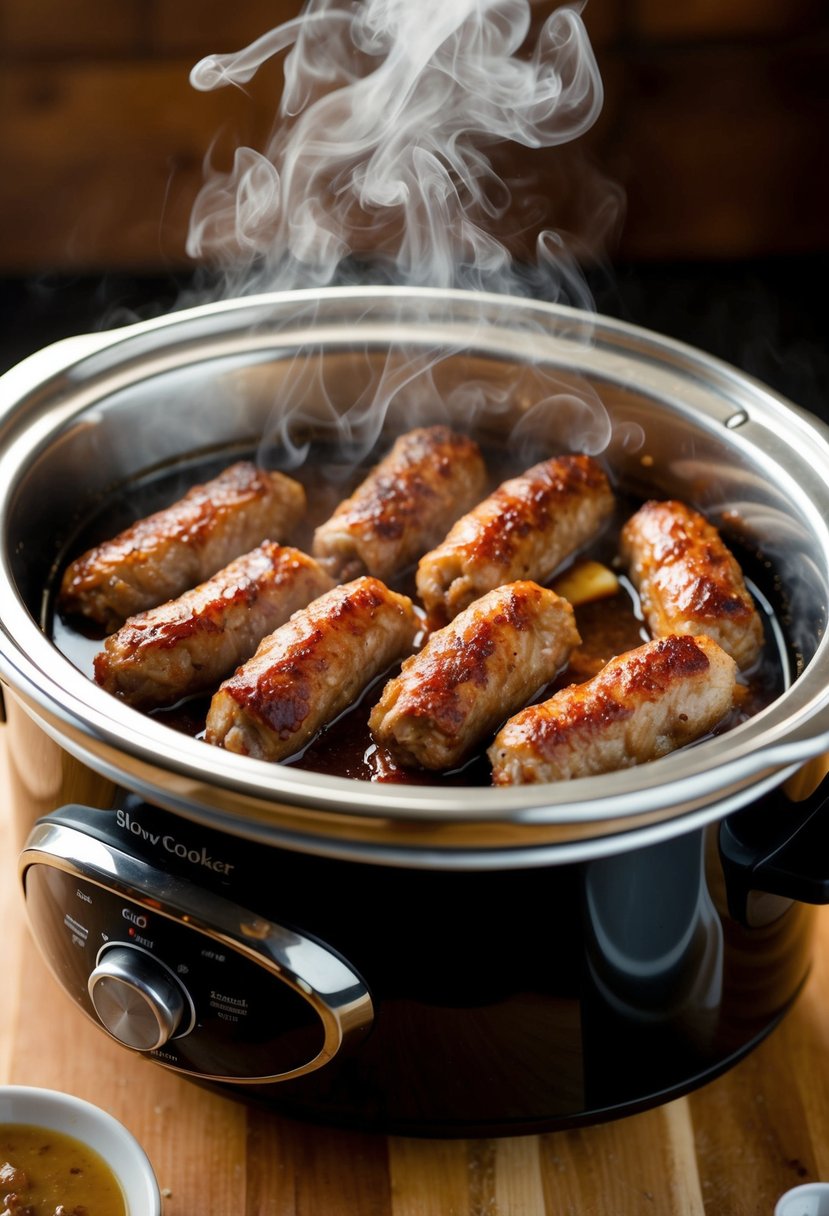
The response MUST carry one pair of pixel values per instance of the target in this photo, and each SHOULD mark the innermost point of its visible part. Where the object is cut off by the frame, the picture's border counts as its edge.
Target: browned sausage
(189, 644)
(642, 705)
(524, 530)
(164, 554)
(491, 659)
(311, 669)
(430, 477)
(689, 581)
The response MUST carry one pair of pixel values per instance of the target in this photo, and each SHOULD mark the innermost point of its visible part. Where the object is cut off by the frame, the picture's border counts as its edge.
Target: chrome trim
(335, 992)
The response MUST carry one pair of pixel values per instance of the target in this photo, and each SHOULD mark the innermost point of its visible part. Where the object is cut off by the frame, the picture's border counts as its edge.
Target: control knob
(137, 998)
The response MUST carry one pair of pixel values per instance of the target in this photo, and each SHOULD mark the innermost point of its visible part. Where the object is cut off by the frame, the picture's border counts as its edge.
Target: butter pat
(586, 581)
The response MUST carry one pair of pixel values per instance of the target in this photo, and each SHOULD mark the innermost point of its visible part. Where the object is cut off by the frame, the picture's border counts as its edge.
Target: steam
(382, 148)
(382, 168)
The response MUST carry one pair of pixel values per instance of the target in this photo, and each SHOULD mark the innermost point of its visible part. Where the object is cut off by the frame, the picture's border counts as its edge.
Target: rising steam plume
(383, 145)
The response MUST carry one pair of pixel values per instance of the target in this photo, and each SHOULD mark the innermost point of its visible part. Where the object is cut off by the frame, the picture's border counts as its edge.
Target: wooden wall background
(714, 125)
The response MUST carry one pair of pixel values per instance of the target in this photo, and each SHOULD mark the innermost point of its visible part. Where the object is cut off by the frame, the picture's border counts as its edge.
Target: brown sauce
(346, 748)
(44, 1172)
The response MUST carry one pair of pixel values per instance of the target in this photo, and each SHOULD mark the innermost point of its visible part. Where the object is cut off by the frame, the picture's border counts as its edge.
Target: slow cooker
(438, 958)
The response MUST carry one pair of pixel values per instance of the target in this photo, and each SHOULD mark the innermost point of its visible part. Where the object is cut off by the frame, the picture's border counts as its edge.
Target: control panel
(172, 969)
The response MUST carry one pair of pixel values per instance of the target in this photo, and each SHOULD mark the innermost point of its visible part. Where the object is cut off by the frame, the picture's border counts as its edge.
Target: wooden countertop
(730, 1149)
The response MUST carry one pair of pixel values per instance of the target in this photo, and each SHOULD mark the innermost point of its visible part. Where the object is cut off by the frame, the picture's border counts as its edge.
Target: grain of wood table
(730, 1149)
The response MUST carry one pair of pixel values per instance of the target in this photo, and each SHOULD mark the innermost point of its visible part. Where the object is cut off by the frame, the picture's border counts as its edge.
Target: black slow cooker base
(503, 1002)
(277, 1102)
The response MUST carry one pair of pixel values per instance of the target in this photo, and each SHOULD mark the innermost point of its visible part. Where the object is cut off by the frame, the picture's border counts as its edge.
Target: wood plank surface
(730, 1149)
(710, 142)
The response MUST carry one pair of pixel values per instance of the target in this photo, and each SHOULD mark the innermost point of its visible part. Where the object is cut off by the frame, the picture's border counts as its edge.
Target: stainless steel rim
(45, 394)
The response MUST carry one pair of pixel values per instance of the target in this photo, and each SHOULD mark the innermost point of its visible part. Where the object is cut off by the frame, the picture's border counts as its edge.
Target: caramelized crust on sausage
(469, 676)
(642, 705)
(190, 644)
(524, 530)
(311, 669)
(430, 477)
(164, 554)
(689, 581)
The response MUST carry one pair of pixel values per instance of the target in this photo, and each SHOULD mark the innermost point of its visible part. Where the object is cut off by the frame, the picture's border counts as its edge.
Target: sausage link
(430, 477)
(190, 644)
(524, 530)
(642, 705)
(310, 669)
(493, 658)
(166, 553)
(689, 581)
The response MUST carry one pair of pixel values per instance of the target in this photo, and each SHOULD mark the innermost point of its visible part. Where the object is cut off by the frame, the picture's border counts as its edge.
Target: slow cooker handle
(777, 847)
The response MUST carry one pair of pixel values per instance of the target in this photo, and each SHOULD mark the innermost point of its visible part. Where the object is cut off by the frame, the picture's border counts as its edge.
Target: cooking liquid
(345, 748)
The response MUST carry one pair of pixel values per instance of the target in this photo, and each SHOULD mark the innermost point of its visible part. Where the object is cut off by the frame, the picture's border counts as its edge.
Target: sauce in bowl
(48, 1173)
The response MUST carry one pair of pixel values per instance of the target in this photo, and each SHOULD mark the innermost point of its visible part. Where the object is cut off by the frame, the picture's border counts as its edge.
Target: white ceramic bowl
(810, 1199)
(60, 1112)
